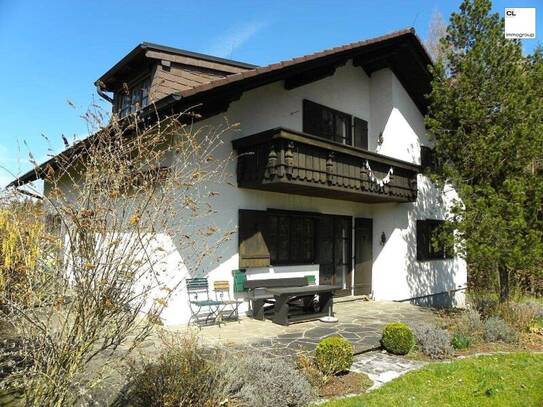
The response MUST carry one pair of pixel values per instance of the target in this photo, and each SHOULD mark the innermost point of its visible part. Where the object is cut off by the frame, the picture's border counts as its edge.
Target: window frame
(425, 229)
(291, 260)
(309, 127)
(139, 85)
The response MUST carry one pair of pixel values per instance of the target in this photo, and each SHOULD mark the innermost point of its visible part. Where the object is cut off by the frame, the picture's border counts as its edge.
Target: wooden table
(283, 295)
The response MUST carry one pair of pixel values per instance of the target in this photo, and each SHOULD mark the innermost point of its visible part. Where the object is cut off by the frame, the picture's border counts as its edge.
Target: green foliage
(486, 381)
(486, 117)
(398, 338)
(334, 355)
(536, 326)
(460, 341)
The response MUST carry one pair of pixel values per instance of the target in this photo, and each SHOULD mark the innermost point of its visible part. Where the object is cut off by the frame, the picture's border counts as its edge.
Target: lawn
(498, 380)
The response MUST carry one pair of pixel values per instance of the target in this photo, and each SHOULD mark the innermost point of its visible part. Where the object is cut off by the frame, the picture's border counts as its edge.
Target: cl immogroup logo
(520, 22)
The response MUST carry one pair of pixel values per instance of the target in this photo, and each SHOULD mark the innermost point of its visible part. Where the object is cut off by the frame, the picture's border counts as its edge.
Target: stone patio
(361, 322)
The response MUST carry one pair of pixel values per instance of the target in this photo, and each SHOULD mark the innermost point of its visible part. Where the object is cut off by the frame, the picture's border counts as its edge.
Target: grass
(498, 380)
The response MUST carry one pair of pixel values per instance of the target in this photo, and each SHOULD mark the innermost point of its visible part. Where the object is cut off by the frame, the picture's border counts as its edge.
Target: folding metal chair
(203, 309)
(230, 307)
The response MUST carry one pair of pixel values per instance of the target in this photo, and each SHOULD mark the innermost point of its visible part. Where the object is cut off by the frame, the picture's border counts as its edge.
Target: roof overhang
(401, 51)
(144, 54)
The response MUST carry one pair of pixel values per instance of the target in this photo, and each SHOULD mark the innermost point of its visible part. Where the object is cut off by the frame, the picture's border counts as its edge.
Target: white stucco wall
(383, 102)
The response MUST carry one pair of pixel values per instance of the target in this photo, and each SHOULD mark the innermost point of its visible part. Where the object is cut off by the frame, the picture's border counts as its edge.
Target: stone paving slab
(361, 322)
(382, 367)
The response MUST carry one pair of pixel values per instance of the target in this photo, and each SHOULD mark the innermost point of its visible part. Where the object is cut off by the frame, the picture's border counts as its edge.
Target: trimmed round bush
(334, 355)
(398, 338)
(460, 341)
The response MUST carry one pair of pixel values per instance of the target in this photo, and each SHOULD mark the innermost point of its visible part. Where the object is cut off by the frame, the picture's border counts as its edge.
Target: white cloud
(225, 45)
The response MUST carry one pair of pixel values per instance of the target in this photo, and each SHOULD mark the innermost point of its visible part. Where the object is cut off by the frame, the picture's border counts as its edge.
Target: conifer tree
(486, 118)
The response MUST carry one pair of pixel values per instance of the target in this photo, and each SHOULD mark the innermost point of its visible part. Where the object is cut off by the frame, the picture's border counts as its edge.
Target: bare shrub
(312, 373)
(129, 200)
(185, 374)
(519, 315)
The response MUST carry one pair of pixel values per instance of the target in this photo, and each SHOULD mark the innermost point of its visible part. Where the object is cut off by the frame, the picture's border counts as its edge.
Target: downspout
(99, 89)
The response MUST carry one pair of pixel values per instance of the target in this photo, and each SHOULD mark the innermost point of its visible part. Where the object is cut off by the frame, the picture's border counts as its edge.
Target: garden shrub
(470, 324)
(181, 376)
(460, 341)
(496, 329)
(307, 366)
(254, 380)
(536, 326)
(334, 355)
(519, 315)
(397, 338)
(432, 341)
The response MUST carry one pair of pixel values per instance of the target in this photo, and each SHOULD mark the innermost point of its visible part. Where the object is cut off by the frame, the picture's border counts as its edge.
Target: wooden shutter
(253, 249)
(312, 118)
(423, 240)
(427, 158)
(360, 133)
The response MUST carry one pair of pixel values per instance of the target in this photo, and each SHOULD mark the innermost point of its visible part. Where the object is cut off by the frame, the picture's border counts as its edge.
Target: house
(330, 163)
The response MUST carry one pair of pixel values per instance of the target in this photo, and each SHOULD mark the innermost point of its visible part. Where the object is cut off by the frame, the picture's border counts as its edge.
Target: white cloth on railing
(381, 182)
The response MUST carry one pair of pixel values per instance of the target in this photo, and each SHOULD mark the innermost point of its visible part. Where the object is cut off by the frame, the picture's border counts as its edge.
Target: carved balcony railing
(283, 160)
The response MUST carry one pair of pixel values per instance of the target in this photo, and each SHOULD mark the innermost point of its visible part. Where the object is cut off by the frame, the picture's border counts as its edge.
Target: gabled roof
(400, 51)
(142, 53)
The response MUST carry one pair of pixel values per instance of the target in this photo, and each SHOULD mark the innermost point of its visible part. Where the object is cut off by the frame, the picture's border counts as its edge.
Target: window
(136, 98)
(427, 158)
(334, 125)
(429, 246)
(276, 238)
(291, 239)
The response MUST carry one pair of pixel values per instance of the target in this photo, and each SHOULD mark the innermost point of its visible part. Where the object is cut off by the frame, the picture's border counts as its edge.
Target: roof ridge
(180, 51)
(303, 58)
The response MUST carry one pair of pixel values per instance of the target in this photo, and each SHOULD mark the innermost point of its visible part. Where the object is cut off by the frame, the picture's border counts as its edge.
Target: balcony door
(334, 252)
(363, 252)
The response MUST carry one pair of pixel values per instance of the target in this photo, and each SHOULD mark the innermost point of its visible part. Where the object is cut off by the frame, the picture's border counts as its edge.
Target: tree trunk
(504, 283)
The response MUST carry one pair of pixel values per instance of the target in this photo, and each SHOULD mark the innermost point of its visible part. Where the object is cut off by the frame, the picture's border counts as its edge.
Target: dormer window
(133, 98)
(334, 125)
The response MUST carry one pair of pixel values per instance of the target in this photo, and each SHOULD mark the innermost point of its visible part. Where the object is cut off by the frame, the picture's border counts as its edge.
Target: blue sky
(52, 51)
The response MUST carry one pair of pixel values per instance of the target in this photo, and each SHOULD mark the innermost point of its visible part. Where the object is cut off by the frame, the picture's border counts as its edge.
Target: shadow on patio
(361, 322)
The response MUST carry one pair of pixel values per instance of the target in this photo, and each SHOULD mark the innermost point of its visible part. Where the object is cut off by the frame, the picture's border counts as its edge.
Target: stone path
(382, 367)
(359, 321)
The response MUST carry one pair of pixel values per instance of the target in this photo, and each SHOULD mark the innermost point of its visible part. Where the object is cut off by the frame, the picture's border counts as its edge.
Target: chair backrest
(276, 282)
(311, 280)
(221, 285)
(240, 277)
(199, 284)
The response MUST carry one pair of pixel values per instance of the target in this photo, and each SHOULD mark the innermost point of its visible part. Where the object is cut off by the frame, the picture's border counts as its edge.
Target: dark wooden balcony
(283, 160)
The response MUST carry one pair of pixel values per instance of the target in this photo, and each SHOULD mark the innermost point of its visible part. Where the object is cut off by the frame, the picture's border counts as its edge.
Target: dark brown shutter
(253, 249)
(427, 158)
(422, 240)
(360, 133)
(312, 118)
